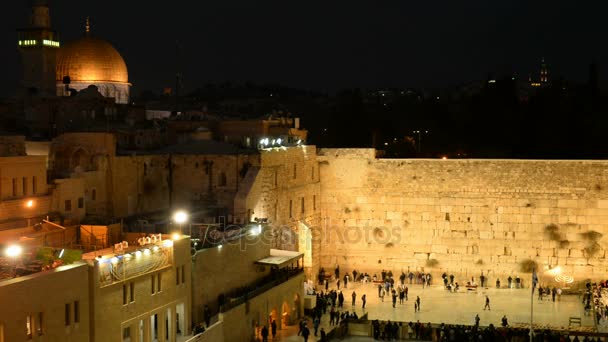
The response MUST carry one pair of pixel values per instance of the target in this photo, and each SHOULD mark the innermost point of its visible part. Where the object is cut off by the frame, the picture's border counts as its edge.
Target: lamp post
(29, 204)
(420, 132)
(180, 217)
(13, 252)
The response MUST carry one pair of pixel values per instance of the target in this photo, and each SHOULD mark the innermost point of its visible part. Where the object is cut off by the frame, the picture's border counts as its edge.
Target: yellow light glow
(146, 251)
(155, 249)
(176, 236)
(137, 254)
(168, 243)
(13, 251)
(180, 217)
(444, 157)
(29, 203)
(114, 260)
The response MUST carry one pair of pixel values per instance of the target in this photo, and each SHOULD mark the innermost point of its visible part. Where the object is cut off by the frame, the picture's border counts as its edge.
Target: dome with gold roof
(92, 61)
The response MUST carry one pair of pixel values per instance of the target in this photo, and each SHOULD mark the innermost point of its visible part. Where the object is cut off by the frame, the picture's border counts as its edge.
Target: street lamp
(180, 217)
(14, 251)
(419, 132)
(29, 204)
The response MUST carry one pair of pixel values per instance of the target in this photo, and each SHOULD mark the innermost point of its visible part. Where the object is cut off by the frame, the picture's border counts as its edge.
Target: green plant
(527, 266)
(432, 263)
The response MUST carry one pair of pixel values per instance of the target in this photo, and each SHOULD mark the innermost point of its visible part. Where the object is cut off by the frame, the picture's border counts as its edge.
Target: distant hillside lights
(269, 143)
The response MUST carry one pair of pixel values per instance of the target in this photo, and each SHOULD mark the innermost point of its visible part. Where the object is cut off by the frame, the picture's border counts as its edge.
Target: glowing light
(128, 256)
(114, 260)
(61, 253)
(146, 251)
(279, 141)
(13, 251)
(155, 249)
(168, 243)
(444, 157)
(220, 246)
(300, 140)
(137, 254)
(255, 231)
(176, 236)
(29, 203)
(180, 217)
(492, 81)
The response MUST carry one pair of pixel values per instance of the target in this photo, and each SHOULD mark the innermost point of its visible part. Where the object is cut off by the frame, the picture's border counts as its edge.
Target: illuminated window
(29, 326)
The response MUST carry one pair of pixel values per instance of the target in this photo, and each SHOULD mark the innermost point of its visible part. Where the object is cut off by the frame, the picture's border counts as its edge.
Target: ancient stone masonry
(463, 216)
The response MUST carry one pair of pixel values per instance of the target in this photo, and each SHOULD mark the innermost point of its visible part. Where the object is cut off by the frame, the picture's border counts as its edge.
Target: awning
(280, 258)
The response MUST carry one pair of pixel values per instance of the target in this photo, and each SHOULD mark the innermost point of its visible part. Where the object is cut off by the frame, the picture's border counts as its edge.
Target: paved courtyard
(439, 305)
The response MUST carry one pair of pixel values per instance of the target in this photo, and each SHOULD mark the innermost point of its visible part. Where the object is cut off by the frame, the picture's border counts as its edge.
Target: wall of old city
(462, 216)
(285, 189)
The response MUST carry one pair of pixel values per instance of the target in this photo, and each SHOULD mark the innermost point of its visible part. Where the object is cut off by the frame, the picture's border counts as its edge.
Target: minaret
(544, 72)
(38, 45)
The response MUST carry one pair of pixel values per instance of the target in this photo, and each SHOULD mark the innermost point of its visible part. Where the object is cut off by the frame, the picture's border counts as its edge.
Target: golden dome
(91, 60)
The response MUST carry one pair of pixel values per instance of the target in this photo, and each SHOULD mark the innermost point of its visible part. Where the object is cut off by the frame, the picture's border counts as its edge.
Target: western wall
(462, 216)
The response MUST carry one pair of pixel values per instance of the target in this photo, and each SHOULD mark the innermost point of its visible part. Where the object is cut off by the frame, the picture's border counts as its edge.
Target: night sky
(328, 45)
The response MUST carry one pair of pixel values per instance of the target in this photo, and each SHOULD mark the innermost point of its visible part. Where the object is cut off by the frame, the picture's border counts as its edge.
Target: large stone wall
(462, 216)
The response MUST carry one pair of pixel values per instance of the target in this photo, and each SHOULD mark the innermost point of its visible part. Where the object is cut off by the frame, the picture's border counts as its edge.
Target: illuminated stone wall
(462, 216)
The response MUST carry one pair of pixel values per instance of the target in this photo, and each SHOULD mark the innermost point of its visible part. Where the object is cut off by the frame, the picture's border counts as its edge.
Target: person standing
(315, 324)
(487, 303)
(379, 290)
(273, 328)
(323, 335)
(394, 298)
(326, 285)
(354, 295)
(406, 290)
(338, 283)
(305, 333)
(418, 303)
(207, 315)
(509, 281)
(363, 299)
(477, 319)
(337, 272)
(264, 334)
(355, 275)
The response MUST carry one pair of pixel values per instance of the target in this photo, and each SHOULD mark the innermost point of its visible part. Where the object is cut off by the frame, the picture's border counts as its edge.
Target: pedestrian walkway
(441, 306)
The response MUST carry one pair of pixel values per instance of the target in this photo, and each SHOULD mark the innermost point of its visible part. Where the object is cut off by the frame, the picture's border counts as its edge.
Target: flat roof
(280, 258)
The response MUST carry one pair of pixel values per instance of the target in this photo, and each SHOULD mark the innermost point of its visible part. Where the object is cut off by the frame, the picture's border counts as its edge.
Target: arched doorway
(297, 306)
(305, 243)
(78, 160)
(285, 315)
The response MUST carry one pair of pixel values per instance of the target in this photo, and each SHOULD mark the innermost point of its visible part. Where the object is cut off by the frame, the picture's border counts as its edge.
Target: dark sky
(327, 45)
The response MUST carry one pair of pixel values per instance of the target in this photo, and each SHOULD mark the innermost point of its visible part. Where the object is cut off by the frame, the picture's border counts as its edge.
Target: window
(14, 187)
(39, 327)
(34, 185)
(290, 207)
(177, 275)
(126, 334)
(29, 326)
(132, 292)
(77, 311)
(124, 294)
(159, 282)
(152, 282)
(94, 194)
(314, 202)
(295, 169)
(67, 314)
(302, 201)
(80, 202)
(313, 173)
(68, 205)
(183, 274)
(24, 181)
(276, 176)
(222, 181)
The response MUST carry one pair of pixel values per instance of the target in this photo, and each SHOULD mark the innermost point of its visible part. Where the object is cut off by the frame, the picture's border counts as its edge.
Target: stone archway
(297, 306)
(78, 160)
(285, 315)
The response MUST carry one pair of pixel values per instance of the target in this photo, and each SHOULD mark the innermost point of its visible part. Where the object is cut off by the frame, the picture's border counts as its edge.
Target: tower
(544, 72)
(38, 45)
